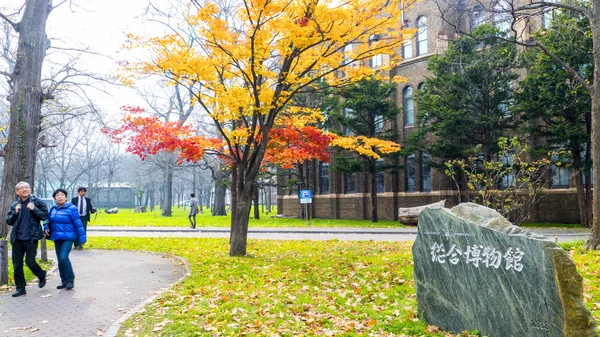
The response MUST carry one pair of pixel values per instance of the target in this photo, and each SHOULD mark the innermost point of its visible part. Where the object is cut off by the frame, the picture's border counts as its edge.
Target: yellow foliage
(364, 146)
(253, 63)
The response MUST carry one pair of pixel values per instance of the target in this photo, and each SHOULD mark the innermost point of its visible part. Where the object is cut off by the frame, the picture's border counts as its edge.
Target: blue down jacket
(65, 223)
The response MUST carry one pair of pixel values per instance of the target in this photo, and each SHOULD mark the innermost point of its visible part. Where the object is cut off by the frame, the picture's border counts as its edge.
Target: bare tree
(26, 97)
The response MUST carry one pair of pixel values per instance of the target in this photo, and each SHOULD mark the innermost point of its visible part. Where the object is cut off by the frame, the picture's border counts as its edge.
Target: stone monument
(474, 270)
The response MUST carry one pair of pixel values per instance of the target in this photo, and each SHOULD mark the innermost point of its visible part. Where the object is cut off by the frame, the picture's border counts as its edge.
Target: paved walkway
(109, 287)
(304, 233)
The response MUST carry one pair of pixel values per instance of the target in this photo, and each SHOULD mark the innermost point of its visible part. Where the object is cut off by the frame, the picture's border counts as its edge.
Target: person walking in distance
(193, 210)
(25, 215)
(84, 205)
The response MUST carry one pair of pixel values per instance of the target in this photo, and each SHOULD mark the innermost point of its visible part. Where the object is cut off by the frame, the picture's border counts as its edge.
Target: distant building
(117, 195)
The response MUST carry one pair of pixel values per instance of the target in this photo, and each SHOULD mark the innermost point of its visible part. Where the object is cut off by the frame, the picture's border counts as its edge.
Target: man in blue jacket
(25, 216)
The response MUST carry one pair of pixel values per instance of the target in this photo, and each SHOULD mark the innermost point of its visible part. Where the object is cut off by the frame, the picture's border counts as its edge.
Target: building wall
(557, 205)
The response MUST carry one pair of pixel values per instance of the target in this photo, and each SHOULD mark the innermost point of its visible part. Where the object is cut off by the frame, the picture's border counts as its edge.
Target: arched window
(408, 106)
(323, 178)
(422, 36)
(407, 49)
(477, 16)
(425, 172)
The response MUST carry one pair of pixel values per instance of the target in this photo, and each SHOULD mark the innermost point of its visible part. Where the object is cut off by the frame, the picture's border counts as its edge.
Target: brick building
(416, 183)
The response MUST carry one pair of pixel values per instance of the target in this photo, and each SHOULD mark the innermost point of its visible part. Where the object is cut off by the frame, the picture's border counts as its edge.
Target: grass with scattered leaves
(126, 217)
(46, 265)
(295, 288)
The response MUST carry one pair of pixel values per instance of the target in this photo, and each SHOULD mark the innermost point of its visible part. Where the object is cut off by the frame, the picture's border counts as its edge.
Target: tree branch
(13, 24)
(547, 4)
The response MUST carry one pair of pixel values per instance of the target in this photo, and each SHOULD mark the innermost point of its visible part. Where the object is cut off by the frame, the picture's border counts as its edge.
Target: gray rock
(474, 270)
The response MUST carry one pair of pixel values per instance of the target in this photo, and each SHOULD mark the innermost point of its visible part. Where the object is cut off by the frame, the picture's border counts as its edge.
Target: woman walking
(64, 227)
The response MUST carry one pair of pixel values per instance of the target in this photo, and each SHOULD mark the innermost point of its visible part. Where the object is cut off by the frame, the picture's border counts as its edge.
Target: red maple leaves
(148, 135)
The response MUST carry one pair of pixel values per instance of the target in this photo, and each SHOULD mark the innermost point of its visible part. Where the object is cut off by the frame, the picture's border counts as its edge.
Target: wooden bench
(410, 215)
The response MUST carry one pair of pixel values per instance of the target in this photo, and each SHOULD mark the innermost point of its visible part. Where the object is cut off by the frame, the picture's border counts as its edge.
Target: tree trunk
(240, 209)
(3, 262)
(256, 209)
(220, 192)
(373, 193)
(234, 194)
(594, 240)
(239, 225)
(168, 191)
(25, 103)
(584, 198)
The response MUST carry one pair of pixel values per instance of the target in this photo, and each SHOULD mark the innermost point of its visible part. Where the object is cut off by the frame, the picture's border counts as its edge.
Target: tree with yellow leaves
(250, 65)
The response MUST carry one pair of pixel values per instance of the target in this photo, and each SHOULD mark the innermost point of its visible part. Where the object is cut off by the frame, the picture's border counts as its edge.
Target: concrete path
(109, 287)
(304, 233)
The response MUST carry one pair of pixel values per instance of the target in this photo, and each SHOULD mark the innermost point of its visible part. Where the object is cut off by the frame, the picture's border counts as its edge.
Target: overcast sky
(101, 25)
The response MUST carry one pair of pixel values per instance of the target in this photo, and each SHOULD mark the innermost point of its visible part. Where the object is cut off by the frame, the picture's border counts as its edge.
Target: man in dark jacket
(25, 215)
(84, 205)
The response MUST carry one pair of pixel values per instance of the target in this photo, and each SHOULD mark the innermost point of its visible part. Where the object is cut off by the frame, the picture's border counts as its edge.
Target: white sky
(101, 25)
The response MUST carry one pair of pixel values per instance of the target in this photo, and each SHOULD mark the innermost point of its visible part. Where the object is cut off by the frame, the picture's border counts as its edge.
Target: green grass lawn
(126, 217)
(296, 288)
(46, 265)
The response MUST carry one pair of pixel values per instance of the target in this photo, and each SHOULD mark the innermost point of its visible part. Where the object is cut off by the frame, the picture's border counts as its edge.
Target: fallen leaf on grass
(432, 329)
(161, 325)
(596, 305)
(372, 322)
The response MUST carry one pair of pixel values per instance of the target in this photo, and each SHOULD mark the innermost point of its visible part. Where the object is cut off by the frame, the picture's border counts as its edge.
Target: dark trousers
(192, 218)
(84, 221)
(28, 250)
(63, 248)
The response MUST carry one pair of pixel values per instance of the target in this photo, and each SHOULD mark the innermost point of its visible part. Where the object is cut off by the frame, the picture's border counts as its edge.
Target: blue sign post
(306, 198)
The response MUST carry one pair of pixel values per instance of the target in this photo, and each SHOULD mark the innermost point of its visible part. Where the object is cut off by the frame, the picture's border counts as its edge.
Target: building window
(508, 179)
(323, 178)
(424, 116)
(477, 16)
(349, 183)
(379, 177)
(407, 49)
(560, 173)
(408, 106)
(379, 123)
(347, 53)
(502, 16)
(410, 169)
(292, 185)
(584, 176)
(347, 113)
(425, 172)
(379, 182)
(560, 176)
(422, 36)
(377, 61)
